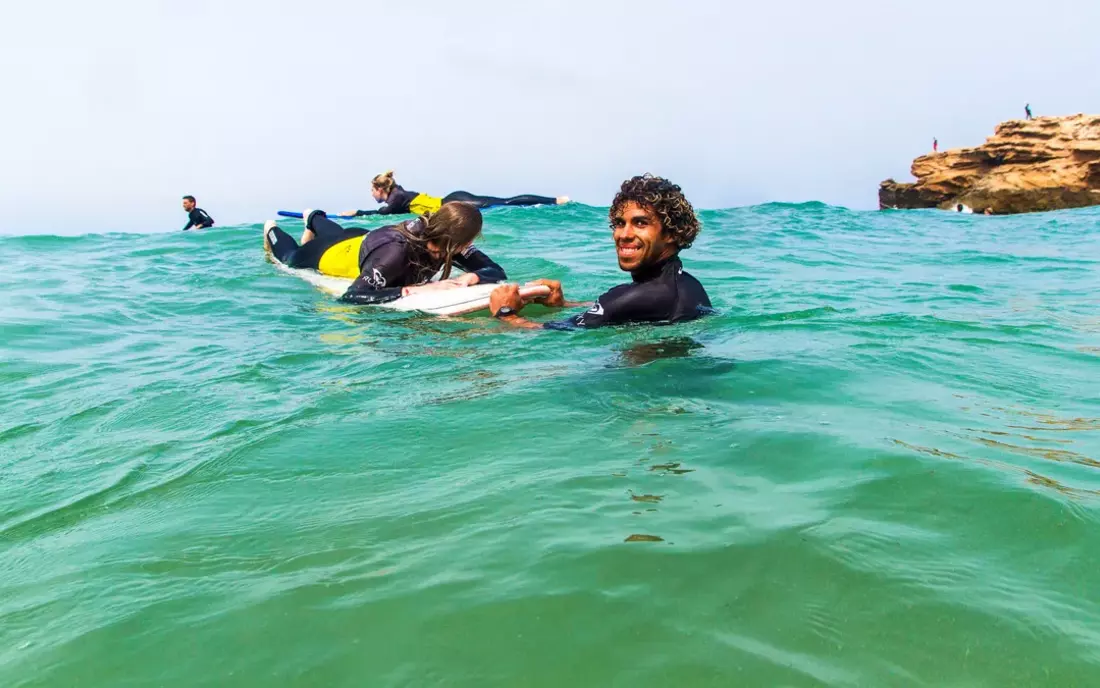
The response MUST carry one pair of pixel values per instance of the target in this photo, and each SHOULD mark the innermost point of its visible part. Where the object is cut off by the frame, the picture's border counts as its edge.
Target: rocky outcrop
(1047, 163)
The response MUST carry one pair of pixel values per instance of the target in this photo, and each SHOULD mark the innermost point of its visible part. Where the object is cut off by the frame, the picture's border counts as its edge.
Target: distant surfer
(197, 218)
(393, 261)
(1027, 112)
(651, 222)
(935, 145)
(397, 201)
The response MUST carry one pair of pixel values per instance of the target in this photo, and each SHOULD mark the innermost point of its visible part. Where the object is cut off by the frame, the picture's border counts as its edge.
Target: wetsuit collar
(652, 271)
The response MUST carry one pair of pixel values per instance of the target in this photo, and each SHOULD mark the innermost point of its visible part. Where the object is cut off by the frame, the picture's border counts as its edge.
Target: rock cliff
(1047, 163)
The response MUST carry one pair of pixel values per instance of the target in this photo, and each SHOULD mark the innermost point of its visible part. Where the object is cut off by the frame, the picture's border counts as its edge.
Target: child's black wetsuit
(380, 261)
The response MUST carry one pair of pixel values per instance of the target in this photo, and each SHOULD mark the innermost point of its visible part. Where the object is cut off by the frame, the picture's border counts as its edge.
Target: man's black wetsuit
(198, 218)
(661, 293)
(386, 260)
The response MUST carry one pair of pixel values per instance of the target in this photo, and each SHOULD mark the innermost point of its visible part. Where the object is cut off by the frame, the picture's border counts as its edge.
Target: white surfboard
(444, 302)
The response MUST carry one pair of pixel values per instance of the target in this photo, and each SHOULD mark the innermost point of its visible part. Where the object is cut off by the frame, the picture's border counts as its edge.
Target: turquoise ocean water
(878, 465)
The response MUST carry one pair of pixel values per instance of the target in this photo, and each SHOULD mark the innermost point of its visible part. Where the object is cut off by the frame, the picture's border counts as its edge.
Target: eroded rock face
(1048, 163)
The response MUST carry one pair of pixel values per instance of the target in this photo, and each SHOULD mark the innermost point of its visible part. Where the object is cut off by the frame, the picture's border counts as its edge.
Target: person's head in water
(382, 185)
(651, 221)
(444, 234)
(188, 203)
(959, 208)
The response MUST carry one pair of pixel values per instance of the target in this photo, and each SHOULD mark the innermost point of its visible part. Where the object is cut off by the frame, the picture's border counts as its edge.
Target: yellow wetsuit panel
(423, 203)
(342, 259)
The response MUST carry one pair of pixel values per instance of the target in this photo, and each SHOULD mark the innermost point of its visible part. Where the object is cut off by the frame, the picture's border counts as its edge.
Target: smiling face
(640, 241)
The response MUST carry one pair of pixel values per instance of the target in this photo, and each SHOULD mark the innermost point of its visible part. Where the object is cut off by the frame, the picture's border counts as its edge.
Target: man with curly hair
(651, 223)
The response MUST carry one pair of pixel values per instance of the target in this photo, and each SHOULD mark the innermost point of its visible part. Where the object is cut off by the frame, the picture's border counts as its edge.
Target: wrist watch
(504, 311)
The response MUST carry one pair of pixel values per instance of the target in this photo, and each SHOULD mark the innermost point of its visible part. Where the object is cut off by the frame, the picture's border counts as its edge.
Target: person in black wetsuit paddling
(393, 261)
(398, 201)
(197, 218)
(651, 223)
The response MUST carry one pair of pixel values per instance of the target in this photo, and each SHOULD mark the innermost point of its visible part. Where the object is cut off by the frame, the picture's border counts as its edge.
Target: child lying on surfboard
(393, 261)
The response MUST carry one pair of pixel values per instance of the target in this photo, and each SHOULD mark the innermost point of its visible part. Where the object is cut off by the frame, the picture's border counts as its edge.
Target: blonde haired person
(396, 200)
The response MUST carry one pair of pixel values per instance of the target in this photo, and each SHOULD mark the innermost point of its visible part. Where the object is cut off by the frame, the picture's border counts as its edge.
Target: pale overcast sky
(115, 109)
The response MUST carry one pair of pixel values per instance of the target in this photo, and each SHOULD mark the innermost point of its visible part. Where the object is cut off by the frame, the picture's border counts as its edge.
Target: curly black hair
(666, 200)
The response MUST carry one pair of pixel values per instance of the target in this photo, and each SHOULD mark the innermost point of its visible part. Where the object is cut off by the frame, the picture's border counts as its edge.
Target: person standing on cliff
(935, 145)
(1027, 111)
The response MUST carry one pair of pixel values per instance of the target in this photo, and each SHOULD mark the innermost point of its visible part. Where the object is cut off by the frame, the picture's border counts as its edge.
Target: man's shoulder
(692, 299)
(688, 278)
(693, 290)
(618, 290)
(637, 300)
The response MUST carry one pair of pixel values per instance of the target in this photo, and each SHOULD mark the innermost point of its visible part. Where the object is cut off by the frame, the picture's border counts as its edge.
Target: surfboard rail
(457, 301)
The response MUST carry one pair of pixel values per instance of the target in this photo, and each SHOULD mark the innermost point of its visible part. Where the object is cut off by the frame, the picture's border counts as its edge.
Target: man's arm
(506, 298)
(505, 304)
(622, 304)
(204, 219)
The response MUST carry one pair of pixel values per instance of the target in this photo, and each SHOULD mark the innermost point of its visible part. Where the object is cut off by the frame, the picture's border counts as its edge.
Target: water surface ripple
(879, 464)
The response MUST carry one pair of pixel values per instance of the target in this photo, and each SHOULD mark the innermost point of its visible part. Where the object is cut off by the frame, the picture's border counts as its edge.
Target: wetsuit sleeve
(623, 304)
(473, 260)
(362, 213)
